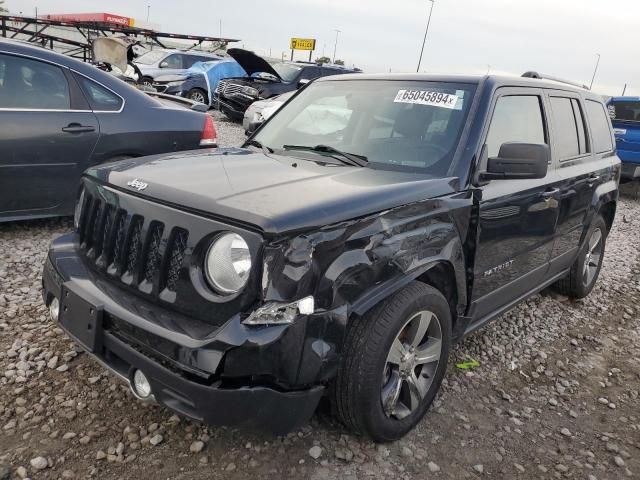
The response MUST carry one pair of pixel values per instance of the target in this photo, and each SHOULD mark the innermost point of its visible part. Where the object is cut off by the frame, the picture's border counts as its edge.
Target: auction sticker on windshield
(424, 97)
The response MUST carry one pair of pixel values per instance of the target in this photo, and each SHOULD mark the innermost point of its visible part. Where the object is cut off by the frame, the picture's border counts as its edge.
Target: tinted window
(172, 61)
(397, 125)
(625, 111)
(309, 73)
(516, 118)
(99, 97)
(565, 128)
(30, 84)
(600, 127)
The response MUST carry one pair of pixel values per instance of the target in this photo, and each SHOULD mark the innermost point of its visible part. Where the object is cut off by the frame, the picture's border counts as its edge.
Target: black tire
(148, 81)
(198, 95)
(577, 284)
(356, 394)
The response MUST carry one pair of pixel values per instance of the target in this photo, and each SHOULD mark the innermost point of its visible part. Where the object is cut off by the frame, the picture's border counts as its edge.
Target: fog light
(141, 386)
(54, 309)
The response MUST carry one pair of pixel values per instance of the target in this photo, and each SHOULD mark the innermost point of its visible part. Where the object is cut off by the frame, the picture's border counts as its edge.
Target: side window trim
(107, 88)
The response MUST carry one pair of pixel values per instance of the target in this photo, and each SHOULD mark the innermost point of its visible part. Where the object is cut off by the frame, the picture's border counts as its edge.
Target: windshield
(287, 71)
(151, 57)
(395, 125)
(625, 111)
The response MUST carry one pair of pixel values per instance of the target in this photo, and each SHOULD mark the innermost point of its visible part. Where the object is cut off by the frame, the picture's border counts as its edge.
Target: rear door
(577, 167)
(48, 133)
(516, 217)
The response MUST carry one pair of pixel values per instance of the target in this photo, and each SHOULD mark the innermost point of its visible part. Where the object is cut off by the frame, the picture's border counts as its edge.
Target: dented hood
(274, 193)
(252, 63)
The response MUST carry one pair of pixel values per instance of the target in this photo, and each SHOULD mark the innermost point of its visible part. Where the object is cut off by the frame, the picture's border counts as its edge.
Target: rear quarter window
(600, 124)
(100, 98)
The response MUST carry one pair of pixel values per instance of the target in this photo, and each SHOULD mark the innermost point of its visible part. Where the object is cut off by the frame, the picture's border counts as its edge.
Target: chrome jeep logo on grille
(137, 184)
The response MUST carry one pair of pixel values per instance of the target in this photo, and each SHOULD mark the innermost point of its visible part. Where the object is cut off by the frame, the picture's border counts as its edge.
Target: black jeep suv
(368, 225)
(234, 95)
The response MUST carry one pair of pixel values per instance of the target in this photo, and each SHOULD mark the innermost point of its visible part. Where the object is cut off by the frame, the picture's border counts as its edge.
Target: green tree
(323, 60)
(339, 62)
(3, 9)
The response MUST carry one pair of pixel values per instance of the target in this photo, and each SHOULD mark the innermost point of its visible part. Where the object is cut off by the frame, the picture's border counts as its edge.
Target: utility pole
(624, 90)
(426, 31)
(595, 71)
(335, 47)
(148, 11)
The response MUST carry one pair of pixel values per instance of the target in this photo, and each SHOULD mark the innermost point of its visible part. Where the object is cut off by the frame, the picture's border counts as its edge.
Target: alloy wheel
(411, 365)
(197, 97)
(593, 256)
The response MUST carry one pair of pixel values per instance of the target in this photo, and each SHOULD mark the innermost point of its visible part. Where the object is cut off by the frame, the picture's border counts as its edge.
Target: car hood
(276, 194)
(252, 63)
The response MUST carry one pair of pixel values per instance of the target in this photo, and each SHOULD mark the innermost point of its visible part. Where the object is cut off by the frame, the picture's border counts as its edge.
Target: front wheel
(395, 358)
(586, 268)
(198, 95)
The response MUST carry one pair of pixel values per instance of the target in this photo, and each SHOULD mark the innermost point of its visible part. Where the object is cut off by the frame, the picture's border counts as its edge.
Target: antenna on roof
(540, 76)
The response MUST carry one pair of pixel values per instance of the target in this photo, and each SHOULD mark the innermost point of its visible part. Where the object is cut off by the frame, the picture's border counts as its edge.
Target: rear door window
(516, 118)
(600, 126)
(568, 127)
(28, 84)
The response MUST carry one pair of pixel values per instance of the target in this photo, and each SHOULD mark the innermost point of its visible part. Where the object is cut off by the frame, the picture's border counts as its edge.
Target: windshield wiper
(348, 158)
(256, 143)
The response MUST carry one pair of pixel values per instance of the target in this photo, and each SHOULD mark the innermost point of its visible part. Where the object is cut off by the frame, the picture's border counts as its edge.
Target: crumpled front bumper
(232, 375)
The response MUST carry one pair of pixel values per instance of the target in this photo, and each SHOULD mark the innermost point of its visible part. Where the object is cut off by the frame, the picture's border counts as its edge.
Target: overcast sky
(557, 37)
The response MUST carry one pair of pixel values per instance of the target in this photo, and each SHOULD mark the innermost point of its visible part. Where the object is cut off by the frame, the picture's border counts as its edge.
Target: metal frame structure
(34, 28)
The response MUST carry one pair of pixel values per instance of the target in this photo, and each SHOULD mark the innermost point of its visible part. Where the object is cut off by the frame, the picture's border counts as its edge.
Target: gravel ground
(555, 395)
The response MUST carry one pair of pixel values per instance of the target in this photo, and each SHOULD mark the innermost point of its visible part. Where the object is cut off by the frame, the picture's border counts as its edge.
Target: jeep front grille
(141, 252)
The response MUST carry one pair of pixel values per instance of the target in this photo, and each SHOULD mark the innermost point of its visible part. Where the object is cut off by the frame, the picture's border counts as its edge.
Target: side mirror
(164, 64)
(518, 161)
(303, 82)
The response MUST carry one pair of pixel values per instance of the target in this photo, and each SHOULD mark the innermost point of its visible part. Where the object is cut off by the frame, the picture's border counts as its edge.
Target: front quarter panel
(358, 263)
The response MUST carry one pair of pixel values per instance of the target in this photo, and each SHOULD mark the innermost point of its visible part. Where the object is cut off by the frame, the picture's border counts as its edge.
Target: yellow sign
(303, 44)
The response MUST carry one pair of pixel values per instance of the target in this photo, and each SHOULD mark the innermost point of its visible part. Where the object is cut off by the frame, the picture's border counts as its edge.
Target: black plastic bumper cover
(263, 408)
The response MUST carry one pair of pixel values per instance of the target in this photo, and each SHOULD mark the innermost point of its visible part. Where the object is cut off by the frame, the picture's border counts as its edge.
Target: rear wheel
(394, 361)
(198, 95)
(586, 268)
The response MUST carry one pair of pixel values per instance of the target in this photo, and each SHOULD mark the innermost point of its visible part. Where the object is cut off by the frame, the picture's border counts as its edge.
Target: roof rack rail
(553, 79)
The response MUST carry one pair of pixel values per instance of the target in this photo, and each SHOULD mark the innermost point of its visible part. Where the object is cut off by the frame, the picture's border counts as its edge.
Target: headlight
(228, 263)
(250, 91)
(175, 84)
(78, 210)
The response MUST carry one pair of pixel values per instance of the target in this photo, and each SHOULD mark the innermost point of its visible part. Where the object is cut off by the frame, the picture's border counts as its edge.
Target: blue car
(200, 81)
(625, 116)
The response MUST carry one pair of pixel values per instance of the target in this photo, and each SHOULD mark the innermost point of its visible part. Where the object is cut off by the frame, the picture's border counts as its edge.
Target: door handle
(592, 179)
(548, 194)
(77, 128)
